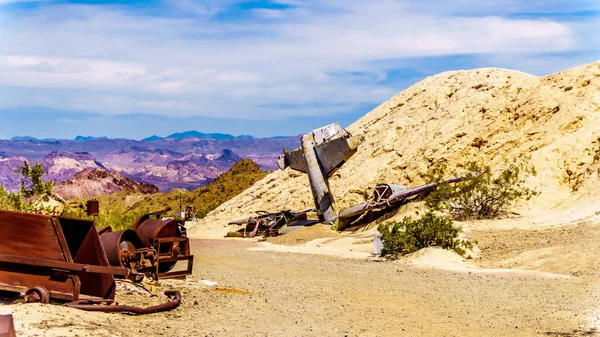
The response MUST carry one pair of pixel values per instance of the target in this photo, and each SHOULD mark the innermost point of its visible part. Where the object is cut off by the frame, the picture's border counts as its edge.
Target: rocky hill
(94, 182)
(241, 176)
(490, 114)
(64, 165)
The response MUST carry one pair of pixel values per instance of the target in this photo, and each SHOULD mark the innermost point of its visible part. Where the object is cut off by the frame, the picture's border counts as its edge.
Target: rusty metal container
(167, 238)
(93, 207)
(7, 327)
(56, 257)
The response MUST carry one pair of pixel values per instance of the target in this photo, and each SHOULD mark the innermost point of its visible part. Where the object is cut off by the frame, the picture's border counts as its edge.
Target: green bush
(117, 220)
(408, 235)
(481, 196)
(33, 193)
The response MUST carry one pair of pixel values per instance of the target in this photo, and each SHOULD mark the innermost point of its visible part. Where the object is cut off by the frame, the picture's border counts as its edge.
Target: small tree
(481, 196)
(33, 191)
(408, 235)
(32, 184)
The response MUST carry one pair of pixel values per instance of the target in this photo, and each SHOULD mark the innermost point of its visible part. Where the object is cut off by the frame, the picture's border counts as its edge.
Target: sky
(132, 69)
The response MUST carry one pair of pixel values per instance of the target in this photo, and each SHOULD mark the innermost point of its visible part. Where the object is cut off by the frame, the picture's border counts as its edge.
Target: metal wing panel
(295, 160)
(334, 153)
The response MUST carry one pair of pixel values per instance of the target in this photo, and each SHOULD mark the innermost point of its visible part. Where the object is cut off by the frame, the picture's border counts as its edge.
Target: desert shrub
(117, 220)
(408, 235)
(481, 196)
(33, 193)
(32, 184)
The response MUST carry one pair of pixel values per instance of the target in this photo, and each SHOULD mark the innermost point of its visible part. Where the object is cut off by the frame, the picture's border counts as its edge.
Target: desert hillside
(483, 114)
(94, 182)
(136, 201)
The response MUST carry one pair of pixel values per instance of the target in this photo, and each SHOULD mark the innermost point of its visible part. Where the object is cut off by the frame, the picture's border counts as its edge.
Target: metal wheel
(37, 294)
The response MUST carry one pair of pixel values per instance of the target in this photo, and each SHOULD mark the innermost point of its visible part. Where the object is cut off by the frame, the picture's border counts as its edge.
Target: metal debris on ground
(387, 196)
(270, 224)
(172, 304)
(54, 257)
(47, 258)
(323, 151)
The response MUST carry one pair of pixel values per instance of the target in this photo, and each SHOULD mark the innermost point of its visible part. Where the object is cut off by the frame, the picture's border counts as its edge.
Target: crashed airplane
(322, 152)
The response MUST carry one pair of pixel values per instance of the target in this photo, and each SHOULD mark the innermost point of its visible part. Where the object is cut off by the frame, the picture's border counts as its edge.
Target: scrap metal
(169, 240)
(270, 224)
(387, 196)
(58, 258)
(174, 303)
(7, 326)
(124, 249)
(323, 151)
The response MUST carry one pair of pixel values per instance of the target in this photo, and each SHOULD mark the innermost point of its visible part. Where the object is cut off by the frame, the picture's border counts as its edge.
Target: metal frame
(181, 256)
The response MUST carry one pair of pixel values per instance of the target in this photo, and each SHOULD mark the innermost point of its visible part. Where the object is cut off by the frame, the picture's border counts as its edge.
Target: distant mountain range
(177, 135)
(182, 160)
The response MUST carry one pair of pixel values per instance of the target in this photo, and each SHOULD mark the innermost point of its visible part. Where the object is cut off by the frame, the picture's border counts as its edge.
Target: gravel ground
(314, 295)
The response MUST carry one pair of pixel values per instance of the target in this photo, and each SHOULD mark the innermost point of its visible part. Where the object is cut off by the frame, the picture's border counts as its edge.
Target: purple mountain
(178, 161)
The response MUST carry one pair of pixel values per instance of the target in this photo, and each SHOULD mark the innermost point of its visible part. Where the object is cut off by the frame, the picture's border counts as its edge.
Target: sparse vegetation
(109, 217)
(481, 196)
(122, 208)
(430, 230)
(33, 193)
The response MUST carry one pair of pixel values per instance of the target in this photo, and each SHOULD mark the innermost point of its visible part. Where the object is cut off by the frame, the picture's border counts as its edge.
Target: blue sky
(268, 67)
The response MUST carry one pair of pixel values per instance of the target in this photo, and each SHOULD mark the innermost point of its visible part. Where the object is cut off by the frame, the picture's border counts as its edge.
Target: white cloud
(113, 60)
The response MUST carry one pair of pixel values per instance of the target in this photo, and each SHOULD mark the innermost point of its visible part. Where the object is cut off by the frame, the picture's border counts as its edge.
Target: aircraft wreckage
(322, 152)
(44, 258)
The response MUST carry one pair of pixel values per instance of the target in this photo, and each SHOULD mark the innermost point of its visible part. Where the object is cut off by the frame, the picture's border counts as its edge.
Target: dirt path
(314, 295)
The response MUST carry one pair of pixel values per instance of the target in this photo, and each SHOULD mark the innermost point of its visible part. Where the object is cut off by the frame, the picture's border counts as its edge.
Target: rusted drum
(151, 229)
(119, 246)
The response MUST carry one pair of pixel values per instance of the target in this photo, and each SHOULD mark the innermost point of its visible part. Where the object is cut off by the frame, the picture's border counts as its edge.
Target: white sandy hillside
(491, 114)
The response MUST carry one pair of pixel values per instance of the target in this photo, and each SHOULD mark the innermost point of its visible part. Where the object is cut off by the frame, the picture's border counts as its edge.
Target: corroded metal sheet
(7, 326)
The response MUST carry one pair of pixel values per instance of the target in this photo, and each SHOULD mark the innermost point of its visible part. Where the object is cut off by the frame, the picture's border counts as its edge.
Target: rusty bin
(54, 257)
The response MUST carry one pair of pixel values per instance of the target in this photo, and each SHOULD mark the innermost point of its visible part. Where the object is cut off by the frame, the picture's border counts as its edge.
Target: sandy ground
(291, 294)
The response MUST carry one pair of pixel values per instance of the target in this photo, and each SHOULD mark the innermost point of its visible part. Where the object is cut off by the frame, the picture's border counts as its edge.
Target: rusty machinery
(59, 258)
(153, 247)
(54, 257)
(270, 223)
(124, 249)
(169, 240)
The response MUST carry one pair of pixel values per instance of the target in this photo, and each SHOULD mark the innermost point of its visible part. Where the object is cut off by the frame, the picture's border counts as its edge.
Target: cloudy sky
(280, 67)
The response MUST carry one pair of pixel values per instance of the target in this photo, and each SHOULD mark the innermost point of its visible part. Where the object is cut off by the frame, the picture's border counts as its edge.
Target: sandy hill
(95, 182)
(490, 114)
